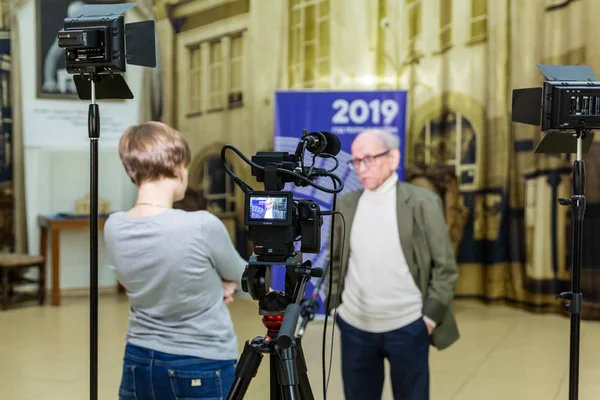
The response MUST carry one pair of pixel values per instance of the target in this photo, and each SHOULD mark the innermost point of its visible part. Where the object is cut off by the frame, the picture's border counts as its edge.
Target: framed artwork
(53, 81)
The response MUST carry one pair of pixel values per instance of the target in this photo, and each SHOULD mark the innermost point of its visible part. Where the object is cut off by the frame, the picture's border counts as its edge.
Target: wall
(57, 158)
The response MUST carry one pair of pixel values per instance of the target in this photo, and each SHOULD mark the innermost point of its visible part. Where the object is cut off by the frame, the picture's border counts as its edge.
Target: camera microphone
(322, 142)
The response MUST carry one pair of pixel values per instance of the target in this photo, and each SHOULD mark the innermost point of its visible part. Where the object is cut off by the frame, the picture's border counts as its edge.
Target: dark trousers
(363, 354)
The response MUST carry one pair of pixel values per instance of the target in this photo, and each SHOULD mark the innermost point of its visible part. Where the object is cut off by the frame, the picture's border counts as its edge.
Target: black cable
(338, 290)
(243, 185)
(328, 300)
(337, 162)
(328, 295)
(312, 165)
(324, 155)
(247, 188)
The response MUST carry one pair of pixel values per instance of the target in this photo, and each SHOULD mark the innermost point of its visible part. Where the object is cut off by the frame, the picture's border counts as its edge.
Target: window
(450, 140)
(445, 24)
(414, 24)
(216, 73)
(218, 186)
(235, 69)
(478, 20)
(195, 80)
(5, 12)
(309, 60)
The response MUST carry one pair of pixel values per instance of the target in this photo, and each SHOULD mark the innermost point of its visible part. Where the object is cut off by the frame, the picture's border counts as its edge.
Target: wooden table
(54, 224)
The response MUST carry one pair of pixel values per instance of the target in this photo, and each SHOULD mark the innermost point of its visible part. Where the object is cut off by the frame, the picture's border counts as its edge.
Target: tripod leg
(276, 388)
(303, 381)
(285, 365)
(246, 370)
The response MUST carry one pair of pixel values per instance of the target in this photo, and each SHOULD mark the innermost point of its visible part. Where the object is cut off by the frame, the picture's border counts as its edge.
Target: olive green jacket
(428, 250)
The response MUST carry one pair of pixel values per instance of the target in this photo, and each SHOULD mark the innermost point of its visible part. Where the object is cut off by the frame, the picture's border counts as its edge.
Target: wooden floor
(504, 353)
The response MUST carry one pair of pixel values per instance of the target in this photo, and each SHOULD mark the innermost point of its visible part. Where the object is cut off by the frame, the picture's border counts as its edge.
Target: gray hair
(387, 138)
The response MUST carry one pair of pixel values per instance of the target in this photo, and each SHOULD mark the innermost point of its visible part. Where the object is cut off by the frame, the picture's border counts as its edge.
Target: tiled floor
(504, 353)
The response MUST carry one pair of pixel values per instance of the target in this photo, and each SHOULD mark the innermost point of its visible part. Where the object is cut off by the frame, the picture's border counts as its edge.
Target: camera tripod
(288, 371)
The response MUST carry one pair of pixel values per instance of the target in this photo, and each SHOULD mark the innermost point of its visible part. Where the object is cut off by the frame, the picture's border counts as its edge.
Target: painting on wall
(53, 81)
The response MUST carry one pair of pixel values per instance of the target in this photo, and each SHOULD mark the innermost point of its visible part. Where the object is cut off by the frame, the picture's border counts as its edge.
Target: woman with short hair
(179, 270)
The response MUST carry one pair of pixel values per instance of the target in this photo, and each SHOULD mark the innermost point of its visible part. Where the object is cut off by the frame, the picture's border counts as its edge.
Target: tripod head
(256, 281)
(272, 304)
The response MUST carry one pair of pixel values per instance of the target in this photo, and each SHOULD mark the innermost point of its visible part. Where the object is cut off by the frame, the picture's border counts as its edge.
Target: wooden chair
(12, 273)
(14, 266)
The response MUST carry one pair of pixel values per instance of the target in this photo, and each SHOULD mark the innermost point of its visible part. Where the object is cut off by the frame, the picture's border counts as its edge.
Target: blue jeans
(363, 353)
(152, 375)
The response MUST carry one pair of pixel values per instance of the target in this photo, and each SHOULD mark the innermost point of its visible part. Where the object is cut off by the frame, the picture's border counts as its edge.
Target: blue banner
(345, 114)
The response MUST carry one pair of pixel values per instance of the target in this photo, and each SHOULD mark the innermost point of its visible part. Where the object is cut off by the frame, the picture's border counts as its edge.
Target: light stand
(569, 100)
(575, 297)
(562, 142)
(98, 47)
(93, 86)
(94, 135)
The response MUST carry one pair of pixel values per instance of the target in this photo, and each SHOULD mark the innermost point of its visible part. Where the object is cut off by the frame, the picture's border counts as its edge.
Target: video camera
(276, 221)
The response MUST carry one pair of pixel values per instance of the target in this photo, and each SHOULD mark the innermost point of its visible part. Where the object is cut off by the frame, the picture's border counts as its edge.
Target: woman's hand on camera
(228, 290)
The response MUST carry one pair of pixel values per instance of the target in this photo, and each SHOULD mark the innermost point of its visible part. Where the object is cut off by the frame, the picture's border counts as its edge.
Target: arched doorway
(444, 155)
(211, 188)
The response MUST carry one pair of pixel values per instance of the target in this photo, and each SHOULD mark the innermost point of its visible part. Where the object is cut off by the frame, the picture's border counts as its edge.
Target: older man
(269, 211)
(398, 274)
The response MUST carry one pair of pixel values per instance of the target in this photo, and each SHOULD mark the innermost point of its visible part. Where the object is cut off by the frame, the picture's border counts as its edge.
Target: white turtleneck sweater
(380, 293)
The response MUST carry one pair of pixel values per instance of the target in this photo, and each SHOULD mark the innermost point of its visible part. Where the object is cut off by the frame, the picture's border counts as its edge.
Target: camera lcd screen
(268, 208)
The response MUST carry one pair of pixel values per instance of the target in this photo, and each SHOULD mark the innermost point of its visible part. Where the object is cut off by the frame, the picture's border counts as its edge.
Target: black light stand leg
(94, 135)
(577, 203)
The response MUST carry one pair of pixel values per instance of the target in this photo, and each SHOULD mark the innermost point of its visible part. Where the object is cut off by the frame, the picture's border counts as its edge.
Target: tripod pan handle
(286, 335)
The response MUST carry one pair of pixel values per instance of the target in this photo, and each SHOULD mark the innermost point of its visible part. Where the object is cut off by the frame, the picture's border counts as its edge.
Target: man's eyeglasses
(368, 160)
